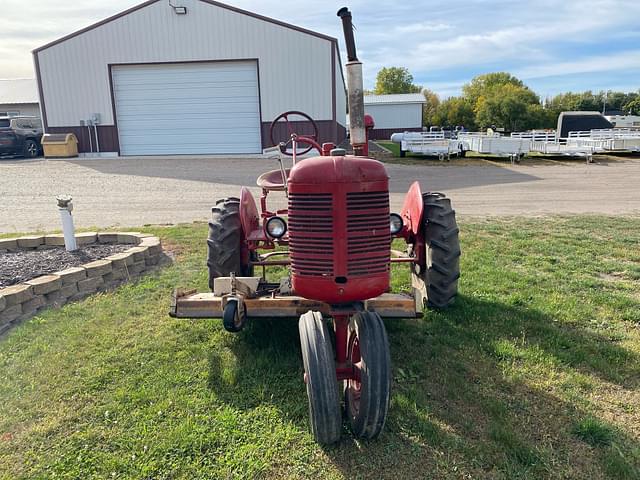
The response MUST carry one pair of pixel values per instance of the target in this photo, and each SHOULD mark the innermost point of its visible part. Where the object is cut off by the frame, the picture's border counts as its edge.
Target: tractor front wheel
(367, 400)
(320, 378)
(443, 251)
(224, 244)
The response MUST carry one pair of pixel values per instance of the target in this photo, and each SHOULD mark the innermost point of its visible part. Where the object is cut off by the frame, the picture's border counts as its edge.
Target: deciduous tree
(430, 107)
(395, 80)
(455, 111)
(633, 107)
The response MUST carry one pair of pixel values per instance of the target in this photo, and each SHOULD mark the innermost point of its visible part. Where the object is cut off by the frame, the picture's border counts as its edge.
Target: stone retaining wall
(22, 301)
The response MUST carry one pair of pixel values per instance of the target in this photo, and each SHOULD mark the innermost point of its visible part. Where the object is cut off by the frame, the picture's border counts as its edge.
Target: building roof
(18, 90)
(395, 98)
(210, 2)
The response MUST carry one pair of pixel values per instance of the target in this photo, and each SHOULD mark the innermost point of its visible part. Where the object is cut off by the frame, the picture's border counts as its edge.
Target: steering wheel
(277, 132)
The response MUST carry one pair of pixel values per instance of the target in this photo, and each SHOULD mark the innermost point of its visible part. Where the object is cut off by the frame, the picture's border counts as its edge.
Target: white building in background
(394, 113)
(19, 96)
(624, 121)
(199, 78)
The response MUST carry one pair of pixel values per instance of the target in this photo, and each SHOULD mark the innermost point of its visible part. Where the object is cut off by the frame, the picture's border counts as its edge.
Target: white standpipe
(65, 207)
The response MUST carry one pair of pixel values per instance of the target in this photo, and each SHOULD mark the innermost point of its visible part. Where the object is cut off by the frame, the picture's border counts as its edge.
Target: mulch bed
(18, 267)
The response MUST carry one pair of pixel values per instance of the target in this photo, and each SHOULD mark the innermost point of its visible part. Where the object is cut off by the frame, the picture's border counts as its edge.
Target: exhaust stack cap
(347, 27)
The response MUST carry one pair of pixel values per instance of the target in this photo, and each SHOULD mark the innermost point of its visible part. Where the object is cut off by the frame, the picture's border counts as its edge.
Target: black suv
(20, 136)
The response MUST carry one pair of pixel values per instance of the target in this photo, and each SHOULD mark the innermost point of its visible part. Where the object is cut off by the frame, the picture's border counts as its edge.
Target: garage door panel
(178, 144)
(221, 111)
(206, 135)
(194, 128)
(168, 92)
(195, 75)
(195, 80)
(204, 108)
(211, 100)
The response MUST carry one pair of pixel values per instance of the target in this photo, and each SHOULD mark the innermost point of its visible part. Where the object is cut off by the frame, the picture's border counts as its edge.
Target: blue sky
(554, 46)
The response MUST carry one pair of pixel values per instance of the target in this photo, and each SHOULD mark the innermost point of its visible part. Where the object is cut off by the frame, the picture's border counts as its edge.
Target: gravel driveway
(138, 191)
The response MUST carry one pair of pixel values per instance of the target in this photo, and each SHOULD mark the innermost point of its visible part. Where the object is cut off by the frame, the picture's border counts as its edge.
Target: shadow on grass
(483, 390)
(265, 366)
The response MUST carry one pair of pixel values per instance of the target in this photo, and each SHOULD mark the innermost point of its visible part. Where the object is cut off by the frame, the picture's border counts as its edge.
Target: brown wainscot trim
(107, 136)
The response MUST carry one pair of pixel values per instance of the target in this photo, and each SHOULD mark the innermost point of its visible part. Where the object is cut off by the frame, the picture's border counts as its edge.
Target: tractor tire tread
(441, 245)
(441, 238)
(376, 376)
(321, 382)
(224, 240)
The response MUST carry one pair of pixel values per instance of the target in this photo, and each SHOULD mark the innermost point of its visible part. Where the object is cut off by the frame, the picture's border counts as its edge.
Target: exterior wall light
(178, 10)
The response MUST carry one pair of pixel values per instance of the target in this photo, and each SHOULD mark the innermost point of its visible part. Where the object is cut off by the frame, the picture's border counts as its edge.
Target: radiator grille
(368, 230)
(311, 234)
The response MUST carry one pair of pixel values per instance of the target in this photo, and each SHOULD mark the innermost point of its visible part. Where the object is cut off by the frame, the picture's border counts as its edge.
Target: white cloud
(622, 61)
(434, 39)
(423, 27)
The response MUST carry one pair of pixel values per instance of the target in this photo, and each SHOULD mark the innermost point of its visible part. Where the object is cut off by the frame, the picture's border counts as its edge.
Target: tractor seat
(272, 180)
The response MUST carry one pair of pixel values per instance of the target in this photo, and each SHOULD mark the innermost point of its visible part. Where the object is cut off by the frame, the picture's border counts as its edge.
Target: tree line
(502, 100)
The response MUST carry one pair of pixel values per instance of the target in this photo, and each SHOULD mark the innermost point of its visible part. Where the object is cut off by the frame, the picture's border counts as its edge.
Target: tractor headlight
(395, 223)
(276, 227)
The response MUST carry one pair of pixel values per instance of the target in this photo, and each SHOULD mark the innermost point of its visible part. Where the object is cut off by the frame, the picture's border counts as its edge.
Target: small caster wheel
(233, 319)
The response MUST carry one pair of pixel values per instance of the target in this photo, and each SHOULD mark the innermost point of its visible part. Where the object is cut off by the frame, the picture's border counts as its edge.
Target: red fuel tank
(339, 237)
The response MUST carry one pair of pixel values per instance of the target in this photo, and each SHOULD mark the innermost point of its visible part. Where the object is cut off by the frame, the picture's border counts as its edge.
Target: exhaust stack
(354, 85)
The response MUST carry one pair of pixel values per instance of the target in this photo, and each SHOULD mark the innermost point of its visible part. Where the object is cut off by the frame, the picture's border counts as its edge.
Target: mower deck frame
(190, 304)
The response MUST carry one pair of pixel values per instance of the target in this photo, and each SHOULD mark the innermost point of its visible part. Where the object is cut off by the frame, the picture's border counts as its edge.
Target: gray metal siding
(396, 115)
(27, 109)
(295, 67)
(341, 95)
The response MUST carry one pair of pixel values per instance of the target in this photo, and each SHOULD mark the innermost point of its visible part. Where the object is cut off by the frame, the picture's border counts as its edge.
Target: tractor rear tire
(367, 401)
(225, 240)
(443, 251)
(320, 377)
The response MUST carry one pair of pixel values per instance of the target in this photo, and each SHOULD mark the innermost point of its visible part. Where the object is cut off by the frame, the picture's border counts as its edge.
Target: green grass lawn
(534, 373)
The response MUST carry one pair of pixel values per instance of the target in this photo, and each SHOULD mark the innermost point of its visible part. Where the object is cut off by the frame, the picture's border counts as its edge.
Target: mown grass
(534, 373)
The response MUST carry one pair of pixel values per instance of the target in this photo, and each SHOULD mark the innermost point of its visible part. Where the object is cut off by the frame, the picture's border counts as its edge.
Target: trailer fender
(412, 211)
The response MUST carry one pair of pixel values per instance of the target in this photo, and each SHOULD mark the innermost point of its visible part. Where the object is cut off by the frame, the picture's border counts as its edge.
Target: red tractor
(335, 237)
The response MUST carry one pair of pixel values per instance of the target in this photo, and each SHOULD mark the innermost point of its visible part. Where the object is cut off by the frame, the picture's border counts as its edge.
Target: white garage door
(182, 109)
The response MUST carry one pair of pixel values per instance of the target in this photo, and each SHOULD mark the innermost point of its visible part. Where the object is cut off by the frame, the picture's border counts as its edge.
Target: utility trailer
(562, 149)
(434, 144)
(610, 139)
(546, 142)
(493, 143)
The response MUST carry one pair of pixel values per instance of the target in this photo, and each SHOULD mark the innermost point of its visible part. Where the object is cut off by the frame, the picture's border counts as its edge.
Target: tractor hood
(342, 169)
